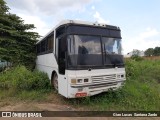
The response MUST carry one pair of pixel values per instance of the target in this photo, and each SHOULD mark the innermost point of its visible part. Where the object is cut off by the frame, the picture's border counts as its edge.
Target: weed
(24, 84)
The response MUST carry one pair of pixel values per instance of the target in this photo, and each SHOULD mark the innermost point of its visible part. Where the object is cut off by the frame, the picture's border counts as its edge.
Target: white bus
(82, 58)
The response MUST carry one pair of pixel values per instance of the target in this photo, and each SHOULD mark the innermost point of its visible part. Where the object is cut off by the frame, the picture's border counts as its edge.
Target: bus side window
(43, 46)
(38, 48)
(46, 45)
(59, 32)
(50, 43)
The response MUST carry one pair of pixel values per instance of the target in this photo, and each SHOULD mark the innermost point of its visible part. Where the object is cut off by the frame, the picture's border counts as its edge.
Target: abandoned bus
(82, 58)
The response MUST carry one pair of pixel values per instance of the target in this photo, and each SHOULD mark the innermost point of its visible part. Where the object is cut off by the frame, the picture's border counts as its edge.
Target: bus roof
(63, 22)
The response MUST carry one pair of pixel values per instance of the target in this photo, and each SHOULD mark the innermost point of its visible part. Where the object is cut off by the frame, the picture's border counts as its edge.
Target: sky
(139, 20)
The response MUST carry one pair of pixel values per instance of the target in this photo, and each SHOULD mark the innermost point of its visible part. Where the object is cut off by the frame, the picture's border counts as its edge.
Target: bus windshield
(111, 45)
(87, 50)
(87, 44)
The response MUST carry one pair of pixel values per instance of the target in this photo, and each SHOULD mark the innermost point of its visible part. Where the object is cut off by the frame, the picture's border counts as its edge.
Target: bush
(137, 58)
(20, 78)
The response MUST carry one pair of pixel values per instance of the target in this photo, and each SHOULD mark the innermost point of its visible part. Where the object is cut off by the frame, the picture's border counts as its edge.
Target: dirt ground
(35, 107)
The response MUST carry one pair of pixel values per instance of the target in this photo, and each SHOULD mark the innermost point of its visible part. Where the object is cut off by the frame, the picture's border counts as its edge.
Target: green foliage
(157, 51)
(3, 7)
(16, 39)
(153, 52)
(149, 52)
(136, 58)
(20, 78)
(21, 84)
(136, 53)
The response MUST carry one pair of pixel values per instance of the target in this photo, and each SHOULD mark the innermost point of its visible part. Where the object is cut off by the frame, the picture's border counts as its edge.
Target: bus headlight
(73, 81)
(86, 80)
(79, 80)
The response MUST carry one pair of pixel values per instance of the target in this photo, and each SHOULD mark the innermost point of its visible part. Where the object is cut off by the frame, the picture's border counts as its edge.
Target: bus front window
(85, 51)
(87, 44)
(111, 45)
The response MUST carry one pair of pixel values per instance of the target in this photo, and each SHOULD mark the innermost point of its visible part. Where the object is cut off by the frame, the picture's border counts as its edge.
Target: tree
(135, 53)
(157, 51)
(3, 7)
(16, 39)
(149, 52)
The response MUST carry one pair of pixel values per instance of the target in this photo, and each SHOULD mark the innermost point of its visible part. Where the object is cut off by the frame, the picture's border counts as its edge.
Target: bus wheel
(55, 81)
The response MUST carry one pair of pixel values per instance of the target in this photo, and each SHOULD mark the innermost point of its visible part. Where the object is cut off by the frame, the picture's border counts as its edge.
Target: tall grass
(23, 84)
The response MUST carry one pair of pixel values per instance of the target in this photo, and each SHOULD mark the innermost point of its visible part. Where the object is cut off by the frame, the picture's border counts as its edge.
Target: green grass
(141, 91)
(21, 84)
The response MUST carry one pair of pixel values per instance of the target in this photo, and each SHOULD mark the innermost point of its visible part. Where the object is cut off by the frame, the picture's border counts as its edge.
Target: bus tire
(54, 81)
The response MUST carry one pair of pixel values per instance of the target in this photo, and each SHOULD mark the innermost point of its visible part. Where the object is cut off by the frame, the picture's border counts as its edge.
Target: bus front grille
(103, 85)
(104, 78)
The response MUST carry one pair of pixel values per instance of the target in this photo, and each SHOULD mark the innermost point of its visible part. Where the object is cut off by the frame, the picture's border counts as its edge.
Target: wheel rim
(55, 82)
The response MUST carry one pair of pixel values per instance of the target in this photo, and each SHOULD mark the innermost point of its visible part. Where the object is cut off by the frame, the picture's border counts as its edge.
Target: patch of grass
(22, 84)
(40, 95)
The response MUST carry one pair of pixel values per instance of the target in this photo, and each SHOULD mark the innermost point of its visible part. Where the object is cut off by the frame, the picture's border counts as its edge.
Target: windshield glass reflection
(87, 50)
(111, 45)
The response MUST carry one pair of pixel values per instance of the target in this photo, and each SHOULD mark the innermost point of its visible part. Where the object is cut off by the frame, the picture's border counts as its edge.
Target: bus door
(62, 49)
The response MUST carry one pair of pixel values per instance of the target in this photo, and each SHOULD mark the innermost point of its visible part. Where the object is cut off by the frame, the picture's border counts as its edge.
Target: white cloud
(149, 33)
(41, 27)
(49, 7)
(147, 39)
(93, 7)
(45, 14)
(99, 19)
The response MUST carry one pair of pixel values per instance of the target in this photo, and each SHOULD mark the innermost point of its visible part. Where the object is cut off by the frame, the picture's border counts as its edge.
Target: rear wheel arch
(54, 73)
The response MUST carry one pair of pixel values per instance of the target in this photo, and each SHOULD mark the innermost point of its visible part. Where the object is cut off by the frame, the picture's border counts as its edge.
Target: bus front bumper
(93, 89)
